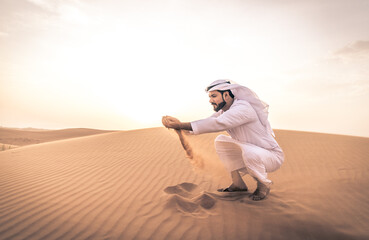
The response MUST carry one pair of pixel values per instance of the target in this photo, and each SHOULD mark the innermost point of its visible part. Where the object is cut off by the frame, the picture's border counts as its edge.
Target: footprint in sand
(183, 189)
(184, 200)
(188, 186)
(206, 201)
(183, 204)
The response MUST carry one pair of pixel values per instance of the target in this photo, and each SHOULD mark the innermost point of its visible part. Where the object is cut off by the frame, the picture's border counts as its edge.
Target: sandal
(229, 189)
(260, 193)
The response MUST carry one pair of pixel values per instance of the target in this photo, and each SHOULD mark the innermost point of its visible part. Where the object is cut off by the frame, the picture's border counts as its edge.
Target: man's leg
(230, 154)
(237, 180)
(237, 184)
(261, 191)
(257, 161)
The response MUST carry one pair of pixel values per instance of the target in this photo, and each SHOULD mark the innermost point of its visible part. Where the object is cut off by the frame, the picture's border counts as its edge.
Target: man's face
(216, 99)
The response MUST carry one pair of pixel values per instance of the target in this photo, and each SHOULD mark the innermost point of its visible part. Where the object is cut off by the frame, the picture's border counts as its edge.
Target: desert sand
(140, 185)
(14, 137)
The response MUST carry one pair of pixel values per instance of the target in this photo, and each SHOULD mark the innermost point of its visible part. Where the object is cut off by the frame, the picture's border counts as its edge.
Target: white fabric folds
(243, 93)
(248, 158)
(251, 147)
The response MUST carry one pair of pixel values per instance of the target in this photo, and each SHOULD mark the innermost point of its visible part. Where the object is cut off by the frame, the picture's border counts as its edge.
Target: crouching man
(250, 147)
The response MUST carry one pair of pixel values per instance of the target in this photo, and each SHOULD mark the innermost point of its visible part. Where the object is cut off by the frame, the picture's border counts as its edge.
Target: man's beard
(219, 106)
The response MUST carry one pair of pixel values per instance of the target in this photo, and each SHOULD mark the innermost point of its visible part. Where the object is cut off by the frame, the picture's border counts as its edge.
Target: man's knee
(220, 141)
(222, 138)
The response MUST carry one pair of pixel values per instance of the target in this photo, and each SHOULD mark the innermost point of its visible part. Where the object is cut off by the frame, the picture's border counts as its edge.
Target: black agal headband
(210, 87)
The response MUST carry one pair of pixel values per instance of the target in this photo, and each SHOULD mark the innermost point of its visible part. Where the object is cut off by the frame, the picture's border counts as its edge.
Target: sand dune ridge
(140, 185)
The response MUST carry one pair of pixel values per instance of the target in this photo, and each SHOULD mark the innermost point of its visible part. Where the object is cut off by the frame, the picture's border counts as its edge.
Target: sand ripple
(140, 185)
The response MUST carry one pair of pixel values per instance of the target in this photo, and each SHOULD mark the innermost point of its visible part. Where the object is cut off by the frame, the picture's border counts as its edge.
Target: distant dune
(140, 185)
(21, 137)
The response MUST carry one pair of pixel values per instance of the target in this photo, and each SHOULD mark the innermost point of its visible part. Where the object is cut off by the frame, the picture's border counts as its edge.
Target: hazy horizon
(121, 65)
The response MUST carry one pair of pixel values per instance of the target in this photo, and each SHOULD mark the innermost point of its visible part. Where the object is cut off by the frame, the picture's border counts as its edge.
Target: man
(251, 147)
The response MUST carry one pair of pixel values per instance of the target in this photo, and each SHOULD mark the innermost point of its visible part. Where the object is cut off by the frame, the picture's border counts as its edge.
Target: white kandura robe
(249, 148)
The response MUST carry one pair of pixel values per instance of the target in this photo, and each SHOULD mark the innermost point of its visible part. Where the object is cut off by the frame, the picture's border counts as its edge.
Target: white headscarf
(244, 93)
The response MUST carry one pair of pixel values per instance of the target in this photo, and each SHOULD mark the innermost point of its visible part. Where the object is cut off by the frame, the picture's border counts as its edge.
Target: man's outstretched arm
(185, 126)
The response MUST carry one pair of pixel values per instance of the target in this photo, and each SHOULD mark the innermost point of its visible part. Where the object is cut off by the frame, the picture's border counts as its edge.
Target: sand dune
(140, 185)
(13, 137)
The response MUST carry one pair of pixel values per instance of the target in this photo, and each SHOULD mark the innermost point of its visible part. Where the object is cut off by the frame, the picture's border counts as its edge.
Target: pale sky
(114, 64)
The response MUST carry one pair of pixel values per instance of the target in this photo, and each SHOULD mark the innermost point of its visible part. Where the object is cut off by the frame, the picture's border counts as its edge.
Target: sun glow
(123, 65)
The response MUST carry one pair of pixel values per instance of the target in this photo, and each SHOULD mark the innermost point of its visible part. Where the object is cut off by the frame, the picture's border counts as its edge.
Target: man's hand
(171, 122)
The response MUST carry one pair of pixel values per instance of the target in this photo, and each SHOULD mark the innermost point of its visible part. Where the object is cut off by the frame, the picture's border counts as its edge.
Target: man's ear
(226, 95)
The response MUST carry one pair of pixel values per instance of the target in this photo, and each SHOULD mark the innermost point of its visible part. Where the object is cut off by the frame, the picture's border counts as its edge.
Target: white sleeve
(239, 114)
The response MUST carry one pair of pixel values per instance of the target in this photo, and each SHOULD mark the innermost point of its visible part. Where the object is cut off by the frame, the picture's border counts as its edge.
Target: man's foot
(233, 188)
(261, 192)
